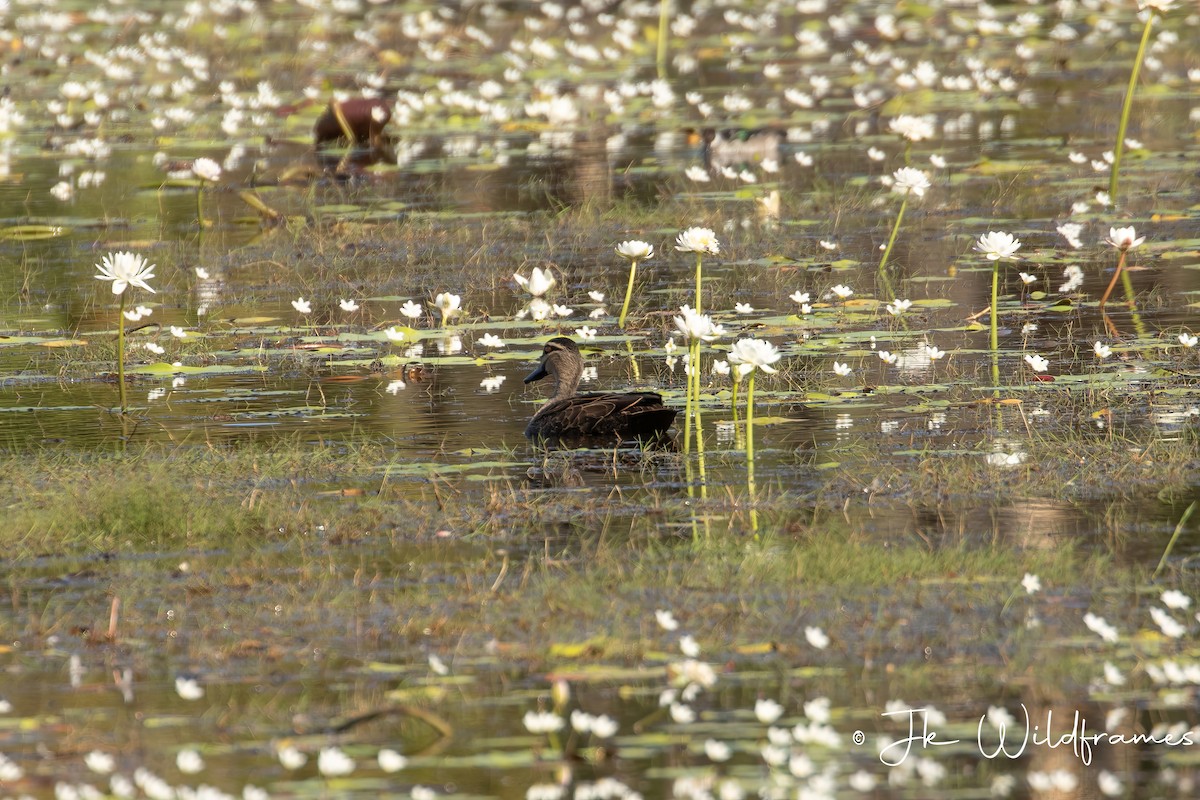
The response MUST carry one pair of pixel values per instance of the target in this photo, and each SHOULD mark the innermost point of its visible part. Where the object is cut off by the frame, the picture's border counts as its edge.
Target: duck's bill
(537, 374)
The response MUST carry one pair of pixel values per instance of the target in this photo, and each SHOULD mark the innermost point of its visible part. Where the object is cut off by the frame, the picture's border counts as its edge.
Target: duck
(364, 116)
(733, 146)
(625, 416)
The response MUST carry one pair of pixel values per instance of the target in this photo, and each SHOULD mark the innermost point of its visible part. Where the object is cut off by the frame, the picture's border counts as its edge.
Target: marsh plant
(696, 328)
(633, 251)
(698, 241)
(1152, 9)
(748, 356)
(206, 171)
(124, 270)
(997, 246)
(905, 181)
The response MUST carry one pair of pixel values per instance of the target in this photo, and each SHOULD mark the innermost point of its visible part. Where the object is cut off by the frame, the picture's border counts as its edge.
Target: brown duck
(630, 415)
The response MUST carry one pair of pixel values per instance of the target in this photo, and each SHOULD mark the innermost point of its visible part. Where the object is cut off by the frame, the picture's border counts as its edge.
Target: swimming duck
(630, 415)
(366, 118)
(734, 146)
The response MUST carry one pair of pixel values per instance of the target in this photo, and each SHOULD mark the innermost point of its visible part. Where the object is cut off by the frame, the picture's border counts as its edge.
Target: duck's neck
(566, 378)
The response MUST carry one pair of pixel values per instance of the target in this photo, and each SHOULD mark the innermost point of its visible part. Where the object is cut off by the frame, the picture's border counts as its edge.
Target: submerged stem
(1114, 173)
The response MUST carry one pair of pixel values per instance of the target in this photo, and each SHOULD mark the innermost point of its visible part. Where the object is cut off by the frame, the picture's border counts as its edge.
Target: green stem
(199, 205)
(750, 451)
(664, 16)
(1125, 109)
(628, 294)
(737, 382)
(892, 239)
(698, 262)
(1162, 562)
(995, 301)
(687, 413)
(121, 350)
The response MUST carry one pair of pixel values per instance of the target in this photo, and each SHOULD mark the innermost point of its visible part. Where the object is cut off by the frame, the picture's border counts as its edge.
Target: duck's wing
(627, 415)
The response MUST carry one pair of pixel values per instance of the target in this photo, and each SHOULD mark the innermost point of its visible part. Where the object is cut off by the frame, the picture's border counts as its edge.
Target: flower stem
(698, 262)
(121, 351)
(995, 340)
(892, 239)
(1114, 174)
(750, 451)
(1116, 274)
(628, 294)
(687, 411)
(199, 205)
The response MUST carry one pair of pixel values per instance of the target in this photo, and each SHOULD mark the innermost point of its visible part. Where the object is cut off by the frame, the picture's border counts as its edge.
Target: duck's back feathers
(626, 416)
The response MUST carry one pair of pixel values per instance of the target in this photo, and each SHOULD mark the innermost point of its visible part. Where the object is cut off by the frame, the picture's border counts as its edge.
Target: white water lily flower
(697, 326)
(1070, 231)
(755, 353)
(912, 128)
(597, 297)
(842, 291)
(717, 751)
(291, 758)
(348, 305)
(447, 304)
(585, 332)
(604, 726)
(394, 334)
(391, 761)
(720, 368)
(665, 619)
(816, 637)
(888, 357)
(206, 170)
(698, 174)
(841, 370)
(188, 688)
(799, 297)
(1031, 583)
(302, 305)
(100, 762)
(1102, 350)
(998, 245)
(332, 762)
(538, 283)
(1036, 363)
(1026, 278)
(178, 332)
(908, 180)
(542, 721)
(189, 762)
(125, 270)
(767, 710)
(635, 250)
(491, 340)
(698, 240)
(1124, 238)
(411, 309)
(689, 646)
(1187, 340)
(938, 160)
(933, 353)
(743, 308)
(1175, 599)
(202, 273)
(898, 307)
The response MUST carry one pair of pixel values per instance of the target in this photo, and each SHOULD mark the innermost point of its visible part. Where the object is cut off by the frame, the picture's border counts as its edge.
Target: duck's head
(559, 358)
